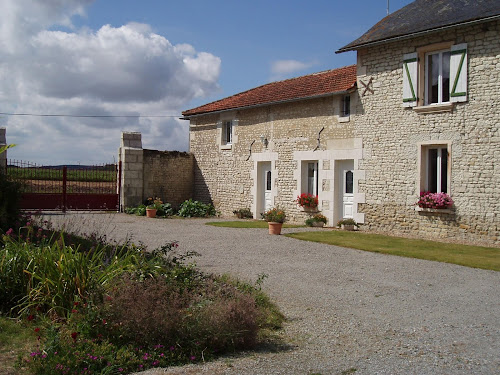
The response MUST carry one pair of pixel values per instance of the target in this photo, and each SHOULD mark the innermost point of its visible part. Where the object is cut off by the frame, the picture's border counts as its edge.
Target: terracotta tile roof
(317, 84)
(424, 16)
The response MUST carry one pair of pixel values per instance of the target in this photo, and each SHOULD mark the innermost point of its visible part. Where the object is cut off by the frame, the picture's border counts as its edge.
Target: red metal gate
(67, 187)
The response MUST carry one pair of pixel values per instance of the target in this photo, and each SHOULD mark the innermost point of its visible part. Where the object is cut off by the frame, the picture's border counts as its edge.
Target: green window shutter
(410, 71)
(458, 73)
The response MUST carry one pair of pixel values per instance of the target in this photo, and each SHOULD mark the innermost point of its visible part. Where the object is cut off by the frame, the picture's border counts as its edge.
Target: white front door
(267, 180)
(347, 193)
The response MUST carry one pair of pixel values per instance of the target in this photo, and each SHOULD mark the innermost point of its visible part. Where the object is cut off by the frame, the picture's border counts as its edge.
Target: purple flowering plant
(434, 200)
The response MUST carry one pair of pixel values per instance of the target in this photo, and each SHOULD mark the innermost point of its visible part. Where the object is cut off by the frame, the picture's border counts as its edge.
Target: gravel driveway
(349, 311)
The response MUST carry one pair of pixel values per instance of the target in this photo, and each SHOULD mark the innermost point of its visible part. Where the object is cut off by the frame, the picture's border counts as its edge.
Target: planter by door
(318, 224)
(349, 227)
(275, 228)
(150, 212)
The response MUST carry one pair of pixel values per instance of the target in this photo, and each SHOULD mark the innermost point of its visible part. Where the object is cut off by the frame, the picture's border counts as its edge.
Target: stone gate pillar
(132, 179)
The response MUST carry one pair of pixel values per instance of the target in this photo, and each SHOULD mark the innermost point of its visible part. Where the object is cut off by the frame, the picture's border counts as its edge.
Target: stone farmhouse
(419, 111)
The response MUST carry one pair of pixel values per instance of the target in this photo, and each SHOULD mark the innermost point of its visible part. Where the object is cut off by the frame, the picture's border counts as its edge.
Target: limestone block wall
(168, 175)
(392, 135)
(227, 177)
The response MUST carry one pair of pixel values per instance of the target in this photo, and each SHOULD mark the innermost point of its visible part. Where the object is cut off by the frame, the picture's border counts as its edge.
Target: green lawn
(15, 339)
(471, 256)
(246, 224)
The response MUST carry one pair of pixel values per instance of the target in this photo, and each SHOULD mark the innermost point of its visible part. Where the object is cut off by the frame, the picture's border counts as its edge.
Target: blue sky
(154, 57)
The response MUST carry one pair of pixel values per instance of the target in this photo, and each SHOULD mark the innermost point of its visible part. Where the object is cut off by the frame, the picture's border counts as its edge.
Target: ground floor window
(435, 169)
(312, 178)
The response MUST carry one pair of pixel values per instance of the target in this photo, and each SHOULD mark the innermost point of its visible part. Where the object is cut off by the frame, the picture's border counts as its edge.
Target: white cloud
(284, 68)
(127, 70)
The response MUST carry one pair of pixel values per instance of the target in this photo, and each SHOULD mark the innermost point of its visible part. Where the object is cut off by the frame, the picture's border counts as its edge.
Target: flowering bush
(307, 200)
(274, 215)
(434, 200)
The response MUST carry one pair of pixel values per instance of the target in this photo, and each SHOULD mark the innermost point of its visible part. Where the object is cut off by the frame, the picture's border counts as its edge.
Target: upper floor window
(346, 105)
(437, 77)
(227, 132)
(435, 74)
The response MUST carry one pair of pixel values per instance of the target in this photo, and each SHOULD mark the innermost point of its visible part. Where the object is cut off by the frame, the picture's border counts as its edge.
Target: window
(435, 169)
(312, 178)
(346, 105)
(227, 132)
(435, 75)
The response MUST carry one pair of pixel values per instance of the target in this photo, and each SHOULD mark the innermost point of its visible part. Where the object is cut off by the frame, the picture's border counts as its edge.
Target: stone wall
(227, 176)
(168, 175)
(392, 134)
(149, 173)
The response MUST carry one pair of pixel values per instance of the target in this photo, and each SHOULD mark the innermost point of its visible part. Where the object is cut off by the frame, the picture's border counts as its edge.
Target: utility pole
(387, 7)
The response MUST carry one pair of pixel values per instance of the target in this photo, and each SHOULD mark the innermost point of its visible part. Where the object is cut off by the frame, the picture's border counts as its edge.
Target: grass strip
(247, 224)
(15, 339)
(487, 258)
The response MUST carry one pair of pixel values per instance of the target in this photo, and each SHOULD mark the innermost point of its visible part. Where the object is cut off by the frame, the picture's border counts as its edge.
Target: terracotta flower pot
(275, 228)
(151, 212)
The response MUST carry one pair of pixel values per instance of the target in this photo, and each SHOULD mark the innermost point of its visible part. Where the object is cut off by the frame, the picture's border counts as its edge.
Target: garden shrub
(10, 196)
(119, 309)
(192, 208)
(164, 210)
(243, 213)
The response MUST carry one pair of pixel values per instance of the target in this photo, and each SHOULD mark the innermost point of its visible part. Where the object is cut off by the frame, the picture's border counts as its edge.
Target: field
(95, 174)
(79, 179)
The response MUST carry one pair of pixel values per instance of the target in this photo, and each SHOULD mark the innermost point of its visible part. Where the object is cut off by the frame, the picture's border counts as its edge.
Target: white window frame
(306, 180)
(415, 77)
(427, 78)
(227, 120)
(443, 151)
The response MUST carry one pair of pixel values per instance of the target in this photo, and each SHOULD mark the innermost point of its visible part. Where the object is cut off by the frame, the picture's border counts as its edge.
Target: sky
(139, 64)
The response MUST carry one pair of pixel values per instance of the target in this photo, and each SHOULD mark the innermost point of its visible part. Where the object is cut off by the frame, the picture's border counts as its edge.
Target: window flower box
(308, 202)
(437, 201)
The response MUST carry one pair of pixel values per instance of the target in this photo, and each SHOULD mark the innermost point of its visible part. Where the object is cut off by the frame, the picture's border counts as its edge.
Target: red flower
(37, 329)
(74, 335)
(30, 318)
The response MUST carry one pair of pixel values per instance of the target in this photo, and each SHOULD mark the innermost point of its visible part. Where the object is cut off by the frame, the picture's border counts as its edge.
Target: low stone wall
(168, 175)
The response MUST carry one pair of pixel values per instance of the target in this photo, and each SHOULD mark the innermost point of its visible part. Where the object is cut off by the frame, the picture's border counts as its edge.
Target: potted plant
(347, 224)
(152, 206)
(275, 218)
(434, 200)
(317, 220)
(307, 201)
